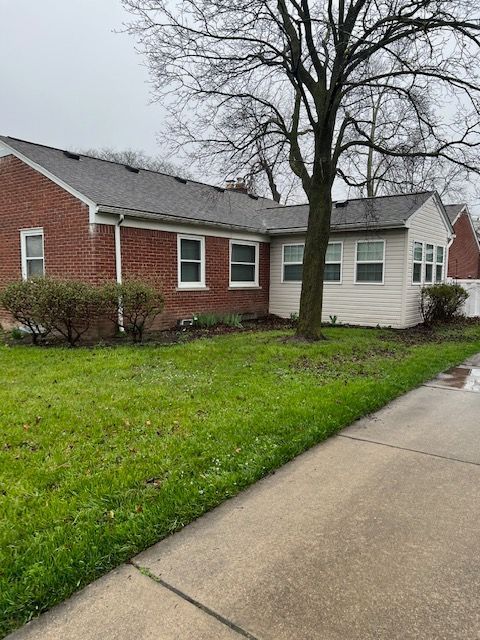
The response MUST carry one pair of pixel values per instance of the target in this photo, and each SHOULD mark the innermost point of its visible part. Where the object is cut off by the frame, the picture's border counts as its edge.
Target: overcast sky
(68, 80)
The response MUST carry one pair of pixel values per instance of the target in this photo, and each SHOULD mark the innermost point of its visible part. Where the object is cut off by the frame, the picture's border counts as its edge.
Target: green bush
(206, 320)
(21, 300)
(232, 320)
(136, 301)
(69, 307)
(442, 303)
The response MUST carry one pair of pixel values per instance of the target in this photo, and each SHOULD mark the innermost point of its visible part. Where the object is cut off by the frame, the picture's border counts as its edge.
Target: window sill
(234, 287)
(202, 288)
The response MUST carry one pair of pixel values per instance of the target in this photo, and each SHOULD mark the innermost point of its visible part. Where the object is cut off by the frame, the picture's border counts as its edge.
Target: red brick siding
(464, 256)
(73, 248)
(147, 253)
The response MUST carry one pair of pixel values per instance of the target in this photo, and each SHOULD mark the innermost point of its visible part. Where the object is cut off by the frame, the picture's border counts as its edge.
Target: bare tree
(138, 159)
(309, 67)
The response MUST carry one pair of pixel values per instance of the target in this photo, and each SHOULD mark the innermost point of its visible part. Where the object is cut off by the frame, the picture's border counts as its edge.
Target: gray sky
(68, 81)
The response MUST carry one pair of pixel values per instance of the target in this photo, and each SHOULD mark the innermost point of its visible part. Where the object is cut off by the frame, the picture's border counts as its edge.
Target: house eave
(338, 229)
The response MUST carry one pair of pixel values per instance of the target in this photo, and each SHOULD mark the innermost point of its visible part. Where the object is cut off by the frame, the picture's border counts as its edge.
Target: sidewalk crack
(214, 614)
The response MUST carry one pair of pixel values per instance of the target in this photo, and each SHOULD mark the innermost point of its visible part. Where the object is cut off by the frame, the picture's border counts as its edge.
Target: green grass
(104, 451)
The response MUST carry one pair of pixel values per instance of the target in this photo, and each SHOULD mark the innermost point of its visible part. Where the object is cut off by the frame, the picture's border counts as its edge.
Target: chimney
(237, 185)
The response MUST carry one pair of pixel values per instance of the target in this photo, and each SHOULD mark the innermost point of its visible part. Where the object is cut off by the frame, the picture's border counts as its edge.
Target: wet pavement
(464, 378)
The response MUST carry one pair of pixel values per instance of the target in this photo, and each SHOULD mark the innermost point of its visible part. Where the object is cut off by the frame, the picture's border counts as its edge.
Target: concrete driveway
(374, 534)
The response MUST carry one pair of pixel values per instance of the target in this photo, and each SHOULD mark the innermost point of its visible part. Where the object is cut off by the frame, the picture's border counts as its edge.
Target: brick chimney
(237, 185)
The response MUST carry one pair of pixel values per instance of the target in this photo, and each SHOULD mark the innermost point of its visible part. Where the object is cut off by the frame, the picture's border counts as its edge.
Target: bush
(232, 320)
(69, 307)
(139, 303)
(206, 320)
(442, 303)
(21, 300)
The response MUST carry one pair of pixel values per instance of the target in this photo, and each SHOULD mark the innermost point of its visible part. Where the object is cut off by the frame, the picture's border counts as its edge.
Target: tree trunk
(316, 242)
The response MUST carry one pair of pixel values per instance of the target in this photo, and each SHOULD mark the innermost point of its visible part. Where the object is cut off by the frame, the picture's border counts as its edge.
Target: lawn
(104, 451)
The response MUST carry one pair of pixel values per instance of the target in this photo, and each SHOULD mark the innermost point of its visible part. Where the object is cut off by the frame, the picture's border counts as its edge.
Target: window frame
(24, 234)
(291, 244)
(429, 263)
(418, 283)
(191, 285)
(439, 264)
(382, 262)
(340, 242)
(247, 284)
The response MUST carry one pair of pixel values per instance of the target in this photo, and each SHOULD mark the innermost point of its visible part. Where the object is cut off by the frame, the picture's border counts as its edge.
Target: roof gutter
(164, 217)
(343, 229)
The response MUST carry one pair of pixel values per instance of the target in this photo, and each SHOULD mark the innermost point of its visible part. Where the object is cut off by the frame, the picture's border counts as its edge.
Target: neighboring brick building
(464, 253)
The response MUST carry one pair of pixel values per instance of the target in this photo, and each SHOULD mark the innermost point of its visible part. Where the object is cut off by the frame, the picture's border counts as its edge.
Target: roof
(453, 210)
(111, 184)
(116, 188)
(362, 213)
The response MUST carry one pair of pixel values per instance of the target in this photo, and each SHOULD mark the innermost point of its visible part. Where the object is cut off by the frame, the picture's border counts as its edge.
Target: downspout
(118, 268)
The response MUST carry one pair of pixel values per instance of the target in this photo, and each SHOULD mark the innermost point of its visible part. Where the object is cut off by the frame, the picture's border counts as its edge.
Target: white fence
(472, 305)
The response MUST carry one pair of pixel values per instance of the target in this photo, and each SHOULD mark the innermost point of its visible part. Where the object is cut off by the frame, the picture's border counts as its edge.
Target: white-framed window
(417, 262)
(32, 253)
(292, 262)
(243, 263)
(333, 262)
(370, 262)
(439, 264)
(429, 259)
(191, 262)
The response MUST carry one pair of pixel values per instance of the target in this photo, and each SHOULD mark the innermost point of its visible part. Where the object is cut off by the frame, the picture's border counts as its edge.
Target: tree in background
(309, 67)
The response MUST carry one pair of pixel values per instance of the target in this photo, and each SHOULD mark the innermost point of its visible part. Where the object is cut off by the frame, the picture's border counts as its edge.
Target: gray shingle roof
(364, 213)
(112, 185)
(453, 210)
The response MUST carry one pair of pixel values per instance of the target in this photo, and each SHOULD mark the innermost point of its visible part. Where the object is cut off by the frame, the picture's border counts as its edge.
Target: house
(214, 249)
(464, 254)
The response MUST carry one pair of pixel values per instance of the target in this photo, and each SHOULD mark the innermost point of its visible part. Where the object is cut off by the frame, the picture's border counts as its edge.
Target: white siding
(361, 304)
(427, 225)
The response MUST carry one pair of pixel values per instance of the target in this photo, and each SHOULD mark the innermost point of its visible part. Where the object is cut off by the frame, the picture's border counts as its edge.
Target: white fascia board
(155, 222)
(37, 167)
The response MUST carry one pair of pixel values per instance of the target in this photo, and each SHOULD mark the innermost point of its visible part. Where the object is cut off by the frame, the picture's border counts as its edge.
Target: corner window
(370, 261)
(429, 251)
(32, 252)
(191, 262)
(243, 264)
(417, 262)
(439, 262)
(292, 262)
(333, 262)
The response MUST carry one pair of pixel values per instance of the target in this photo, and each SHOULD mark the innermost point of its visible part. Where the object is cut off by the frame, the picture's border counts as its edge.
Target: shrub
(232, 320)
(68, 307)
(139, 302)
(206, 320)
(442, 303)
(21, 300)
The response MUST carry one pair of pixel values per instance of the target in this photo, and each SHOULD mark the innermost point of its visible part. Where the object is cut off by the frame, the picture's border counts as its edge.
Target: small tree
(21, 300)
(69, 307)
(442, 303)
(138, 303)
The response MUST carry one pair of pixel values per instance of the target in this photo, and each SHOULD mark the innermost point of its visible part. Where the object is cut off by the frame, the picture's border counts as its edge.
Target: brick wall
(148, 253)
(73, 248)
(464, 256)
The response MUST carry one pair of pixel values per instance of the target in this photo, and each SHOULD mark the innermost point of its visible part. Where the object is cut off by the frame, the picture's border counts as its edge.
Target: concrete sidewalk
(374, 534)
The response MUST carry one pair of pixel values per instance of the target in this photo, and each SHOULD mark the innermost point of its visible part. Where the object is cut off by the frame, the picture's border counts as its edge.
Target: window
(333, 262)
(370, 261)
(429, 251)
(243, 264)
(191, 262)
(440, 259)
(417, 262)
(33, 261)
(292, 262)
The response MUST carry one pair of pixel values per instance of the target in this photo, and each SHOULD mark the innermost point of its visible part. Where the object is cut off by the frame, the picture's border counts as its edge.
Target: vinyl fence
(472, 305)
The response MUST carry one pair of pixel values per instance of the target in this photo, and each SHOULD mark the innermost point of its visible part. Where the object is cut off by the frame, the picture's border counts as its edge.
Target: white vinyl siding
(367, 304)
(32, 253)
(427, 226)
